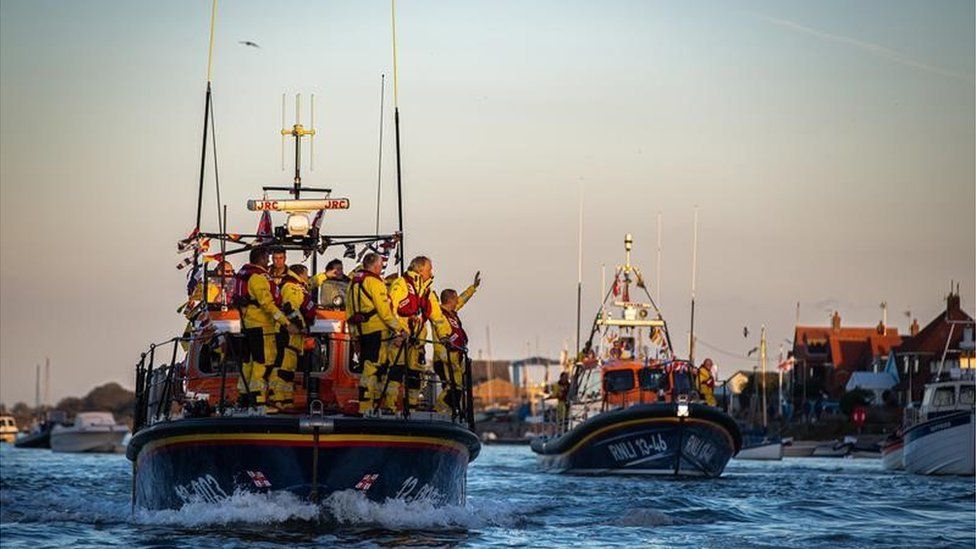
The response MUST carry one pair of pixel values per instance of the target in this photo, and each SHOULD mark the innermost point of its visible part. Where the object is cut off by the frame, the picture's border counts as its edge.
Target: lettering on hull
(205, 488)
(637, 448)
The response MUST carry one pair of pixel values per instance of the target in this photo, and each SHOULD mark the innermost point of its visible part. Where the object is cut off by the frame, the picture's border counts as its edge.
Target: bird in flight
(249, 43)
(745, 331)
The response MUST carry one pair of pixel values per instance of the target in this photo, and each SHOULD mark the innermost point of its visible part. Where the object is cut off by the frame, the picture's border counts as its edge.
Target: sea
(76, 500)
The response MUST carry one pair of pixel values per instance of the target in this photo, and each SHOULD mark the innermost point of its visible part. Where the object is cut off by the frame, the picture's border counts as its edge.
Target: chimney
(952, 302)
(881, 328)
(835, 321)
(914, 329)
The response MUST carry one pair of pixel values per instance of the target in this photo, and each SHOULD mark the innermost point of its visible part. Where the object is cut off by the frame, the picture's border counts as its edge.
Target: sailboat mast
(762, 361)
(206, 116)
(694, 273)
(396, 125)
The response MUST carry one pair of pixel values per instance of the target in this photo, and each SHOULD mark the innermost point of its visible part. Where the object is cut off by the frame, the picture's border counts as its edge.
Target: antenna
(694, 273)
(579, 272)
(298, 132)
(283, 133)
(660, 298)
(311, 138)
(396, 125)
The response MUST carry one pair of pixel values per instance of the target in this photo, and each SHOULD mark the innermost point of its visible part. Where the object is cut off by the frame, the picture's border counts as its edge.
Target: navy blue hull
(645, 439)
(208, 460)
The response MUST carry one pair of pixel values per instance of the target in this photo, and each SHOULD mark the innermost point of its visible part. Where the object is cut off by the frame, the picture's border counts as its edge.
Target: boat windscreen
(650, 380)
(618, 381)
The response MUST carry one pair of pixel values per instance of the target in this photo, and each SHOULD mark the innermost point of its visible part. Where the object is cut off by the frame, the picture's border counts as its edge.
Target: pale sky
(829, 147)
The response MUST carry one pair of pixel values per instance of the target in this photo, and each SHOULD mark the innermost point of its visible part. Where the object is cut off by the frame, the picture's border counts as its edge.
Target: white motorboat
(892, 452)
(90, 432)
(8, 429)
(941, 441)
(768, 450)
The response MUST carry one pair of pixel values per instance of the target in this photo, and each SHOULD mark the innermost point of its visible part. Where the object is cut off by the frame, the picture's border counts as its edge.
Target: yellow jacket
(367, 295)
(400, 292)
(293, 292)
(440, 352)
(190, 307)
(265, 314)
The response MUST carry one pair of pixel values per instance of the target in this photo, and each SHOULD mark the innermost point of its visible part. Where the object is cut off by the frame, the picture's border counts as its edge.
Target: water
(49, 500)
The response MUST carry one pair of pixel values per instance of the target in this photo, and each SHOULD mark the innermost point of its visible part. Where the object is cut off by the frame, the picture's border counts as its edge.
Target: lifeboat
(194, 441)
(632, 407)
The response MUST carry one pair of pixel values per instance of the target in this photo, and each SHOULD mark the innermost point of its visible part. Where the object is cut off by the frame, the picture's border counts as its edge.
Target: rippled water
(51, 499)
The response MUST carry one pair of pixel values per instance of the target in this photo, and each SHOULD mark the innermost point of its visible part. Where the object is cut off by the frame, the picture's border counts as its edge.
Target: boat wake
(348, 508)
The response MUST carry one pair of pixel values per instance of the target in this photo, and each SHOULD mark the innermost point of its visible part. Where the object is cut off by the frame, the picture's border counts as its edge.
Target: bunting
(265, 228)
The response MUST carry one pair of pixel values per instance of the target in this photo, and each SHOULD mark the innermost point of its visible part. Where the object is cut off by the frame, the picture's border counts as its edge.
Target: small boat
(794, 448)
(941, 441)
(834, 449)
(91, 432)
(632, 407)
(40, 435)
(8, 429)
(769, 449)
(892, 452)
(940, 436)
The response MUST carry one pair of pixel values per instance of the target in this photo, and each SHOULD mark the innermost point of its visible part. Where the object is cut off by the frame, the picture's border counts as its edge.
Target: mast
(579, 273)
(379, 163)
(47, 381)
(206, 117)
(694, 273)
(657, 281)
(762, 361)
(490, 369)
(37, 387)
(396, 125)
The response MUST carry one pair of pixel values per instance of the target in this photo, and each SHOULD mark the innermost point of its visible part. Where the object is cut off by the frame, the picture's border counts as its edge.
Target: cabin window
(619, 381)
(967, 394)
(944, 396)
(650, 380)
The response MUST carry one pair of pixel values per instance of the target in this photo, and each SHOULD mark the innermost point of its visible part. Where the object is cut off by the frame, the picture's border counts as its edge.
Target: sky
(828, 146)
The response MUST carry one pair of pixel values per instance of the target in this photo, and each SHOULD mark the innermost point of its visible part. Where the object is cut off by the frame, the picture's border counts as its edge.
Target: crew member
(561, 392)
(333, 271)
(297, 304)
(371, 320)
(450, 355)
(706, 382)
(415, 305)
(279, 265)
(679, 380)
(256, 294)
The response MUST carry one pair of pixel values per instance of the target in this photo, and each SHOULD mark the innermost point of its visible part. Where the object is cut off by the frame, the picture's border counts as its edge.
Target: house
(920, 355)
(827, 356)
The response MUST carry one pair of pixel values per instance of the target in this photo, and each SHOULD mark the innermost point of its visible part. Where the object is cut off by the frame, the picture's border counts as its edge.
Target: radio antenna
(298, 132)
(396, 124)
(379, 165)
(283, 133)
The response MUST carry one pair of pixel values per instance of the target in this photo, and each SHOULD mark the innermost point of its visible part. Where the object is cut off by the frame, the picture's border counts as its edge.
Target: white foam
(241, 507)
(347, 507)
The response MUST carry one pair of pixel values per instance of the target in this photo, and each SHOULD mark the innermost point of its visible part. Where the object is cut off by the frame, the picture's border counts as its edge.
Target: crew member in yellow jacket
(706, 382)
(449, 356)
(297, 304)
(415, 305)
(372, 323)
(257, 295)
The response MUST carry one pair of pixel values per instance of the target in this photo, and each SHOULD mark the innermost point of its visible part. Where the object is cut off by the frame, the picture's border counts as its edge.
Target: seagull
(249, 43)
(751, 351)
(745, 331)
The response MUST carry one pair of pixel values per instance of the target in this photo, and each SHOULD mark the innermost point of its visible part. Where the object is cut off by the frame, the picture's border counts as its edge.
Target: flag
(892, 367)
(350, 252)
(184, 244)
(786, 365)
(259, 479)
(640, 281)
(184, 263)
(264, 228)
(616, 286)
(366, 482)
(317, 222)
(213, 257)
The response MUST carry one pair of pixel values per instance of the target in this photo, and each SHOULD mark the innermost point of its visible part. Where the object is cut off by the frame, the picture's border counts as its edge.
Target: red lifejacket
(242, 297)
(458, 337)
(415, 304)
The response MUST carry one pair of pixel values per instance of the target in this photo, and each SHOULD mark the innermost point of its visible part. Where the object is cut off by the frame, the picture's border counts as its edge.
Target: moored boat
(892, 453)
(762, 450)
(632, 407)
(8, 429)
(40, 434)
(91, 432)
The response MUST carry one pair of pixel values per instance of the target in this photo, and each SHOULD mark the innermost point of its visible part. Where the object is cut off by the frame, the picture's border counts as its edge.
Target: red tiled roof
(849, 347)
